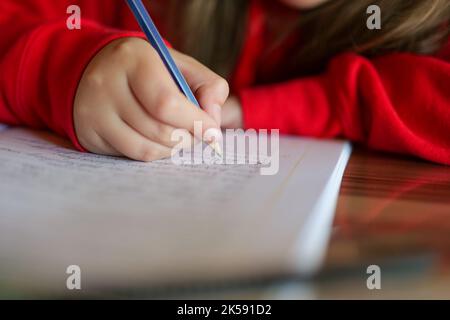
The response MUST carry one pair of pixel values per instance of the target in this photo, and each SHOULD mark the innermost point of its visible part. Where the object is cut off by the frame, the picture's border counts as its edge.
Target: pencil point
(217, 149)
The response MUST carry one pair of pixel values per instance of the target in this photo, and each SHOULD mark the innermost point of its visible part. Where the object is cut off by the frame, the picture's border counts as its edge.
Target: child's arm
(42, 63)
(398, 103)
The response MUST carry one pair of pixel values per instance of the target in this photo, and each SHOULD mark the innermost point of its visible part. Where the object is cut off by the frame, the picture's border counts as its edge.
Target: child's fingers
(162, 99)
(210, 89)
(207, 97)
(152, 129)
(99, 145)
(90, 140)
(130, 143)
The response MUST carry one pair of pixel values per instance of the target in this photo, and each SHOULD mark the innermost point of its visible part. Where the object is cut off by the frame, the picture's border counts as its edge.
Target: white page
(154, 222)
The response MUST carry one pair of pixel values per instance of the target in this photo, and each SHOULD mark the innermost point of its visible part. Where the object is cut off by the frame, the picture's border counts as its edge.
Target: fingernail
(216, 113)
(218, 149)
(213, 135)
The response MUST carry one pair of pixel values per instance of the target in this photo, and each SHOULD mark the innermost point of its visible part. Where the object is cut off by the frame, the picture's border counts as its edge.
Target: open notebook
(127, 223)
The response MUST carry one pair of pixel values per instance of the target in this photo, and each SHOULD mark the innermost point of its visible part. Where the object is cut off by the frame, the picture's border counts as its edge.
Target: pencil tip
(217, 148)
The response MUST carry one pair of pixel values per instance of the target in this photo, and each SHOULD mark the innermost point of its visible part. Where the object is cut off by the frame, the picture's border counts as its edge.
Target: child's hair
(213, 30)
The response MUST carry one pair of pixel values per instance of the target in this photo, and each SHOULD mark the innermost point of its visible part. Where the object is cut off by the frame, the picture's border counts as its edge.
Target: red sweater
(398, 102)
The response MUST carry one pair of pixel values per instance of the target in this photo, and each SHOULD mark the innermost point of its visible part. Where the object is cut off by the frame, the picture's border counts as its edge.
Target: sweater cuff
(53, 63)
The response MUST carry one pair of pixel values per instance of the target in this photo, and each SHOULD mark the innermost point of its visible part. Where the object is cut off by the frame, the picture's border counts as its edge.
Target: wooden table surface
(393, 212)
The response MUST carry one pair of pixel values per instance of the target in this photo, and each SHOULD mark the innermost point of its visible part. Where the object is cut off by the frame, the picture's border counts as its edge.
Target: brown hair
(416, 26)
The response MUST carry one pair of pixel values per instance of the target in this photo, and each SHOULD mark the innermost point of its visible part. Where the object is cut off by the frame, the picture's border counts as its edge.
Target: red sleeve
(397, 103)
(42, 61)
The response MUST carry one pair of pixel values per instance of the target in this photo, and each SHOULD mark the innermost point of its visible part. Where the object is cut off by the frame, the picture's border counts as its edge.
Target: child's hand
(128, 104)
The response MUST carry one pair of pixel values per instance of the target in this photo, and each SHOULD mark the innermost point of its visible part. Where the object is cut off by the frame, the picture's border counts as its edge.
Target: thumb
(210, 97)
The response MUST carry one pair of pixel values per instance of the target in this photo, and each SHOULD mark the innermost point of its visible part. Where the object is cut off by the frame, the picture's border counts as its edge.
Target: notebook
(128, 224)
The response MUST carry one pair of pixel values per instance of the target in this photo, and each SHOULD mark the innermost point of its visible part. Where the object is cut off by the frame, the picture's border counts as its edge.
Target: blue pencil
(146, 23)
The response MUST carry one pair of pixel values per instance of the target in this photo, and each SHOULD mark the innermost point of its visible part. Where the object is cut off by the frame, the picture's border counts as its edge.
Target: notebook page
(38, 166)
(132, 222)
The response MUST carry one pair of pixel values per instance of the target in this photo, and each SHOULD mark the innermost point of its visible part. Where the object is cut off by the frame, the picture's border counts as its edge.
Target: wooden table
(394, 212)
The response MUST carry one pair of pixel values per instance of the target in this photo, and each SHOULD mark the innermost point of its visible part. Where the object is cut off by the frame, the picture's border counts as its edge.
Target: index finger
(210, 89)
(158, 94)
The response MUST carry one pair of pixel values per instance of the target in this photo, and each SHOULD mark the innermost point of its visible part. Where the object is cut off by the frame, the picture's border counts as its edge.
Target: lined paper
(126, 222)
